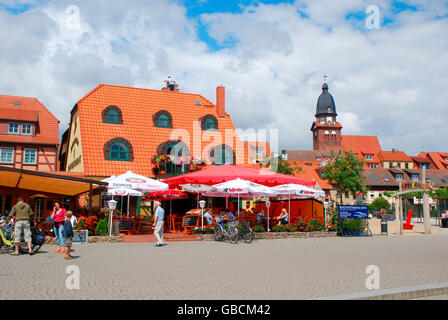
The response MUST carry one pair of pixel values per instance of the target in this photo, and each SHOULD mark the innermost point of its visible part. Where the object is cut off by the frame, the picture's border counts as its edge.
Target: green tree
(345, 172)
(281, 166)
(378, 204)
(439, 194)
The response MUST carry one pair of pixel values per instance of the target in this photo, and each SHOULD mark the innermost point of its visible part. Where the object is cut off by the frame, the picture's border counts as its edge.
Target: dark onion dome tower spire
(325, 103)
(326, 131)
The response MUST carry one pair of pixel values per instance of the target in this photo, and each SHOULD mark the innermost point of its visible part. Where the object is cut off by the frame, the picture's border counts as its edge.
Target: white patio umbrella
(240, 187)
(124, 192)
(197, 188)
(138, 183)
(297, 189)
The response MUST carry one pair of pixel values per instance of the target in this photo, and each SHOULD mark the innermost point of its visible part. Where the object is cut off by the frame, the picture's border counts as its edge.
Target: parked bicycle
(246, 233)
(223, 233)
(7, 239)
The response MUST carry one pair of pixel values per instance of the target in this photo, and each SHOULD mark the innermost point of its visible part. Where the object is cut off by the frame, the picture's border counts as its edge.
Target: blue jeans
(59, 233)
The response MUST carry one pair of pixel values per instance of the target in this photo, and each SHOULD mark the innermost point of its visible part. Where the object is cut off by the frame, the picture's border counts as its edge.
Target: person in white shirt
(73, 220)
(159, 216)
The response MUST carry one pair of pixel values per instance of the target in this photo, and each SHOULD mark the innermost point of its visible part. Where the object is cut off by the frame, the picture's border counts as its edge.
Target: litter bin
(444, 222)
(384, 226)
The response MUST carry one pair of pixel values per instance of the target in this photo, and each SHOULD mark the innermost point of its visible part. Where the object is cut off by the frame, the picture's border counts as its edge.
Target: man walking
(24, 214)
(159, 215)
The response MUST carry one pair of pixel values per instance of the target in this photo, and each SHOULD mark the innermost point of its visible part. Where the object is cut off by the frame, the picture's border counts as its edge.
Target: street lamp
(268, 204)
(112, 205)
(202, 205)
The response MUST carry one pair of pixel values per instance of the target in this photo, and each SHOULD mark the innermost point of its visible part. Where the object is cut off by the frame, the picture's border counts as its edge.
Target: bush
(352, 225)
(102, 227)
(258, 228)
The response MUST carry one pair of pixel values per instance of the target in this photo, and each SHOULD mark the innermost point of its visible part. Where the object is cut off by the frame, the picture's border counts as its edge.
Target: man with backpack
(24, 214)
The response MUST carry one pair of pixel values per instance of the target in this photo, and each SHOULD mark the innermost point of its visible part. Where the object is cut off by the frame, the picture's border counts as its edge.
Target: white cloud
(390, 81)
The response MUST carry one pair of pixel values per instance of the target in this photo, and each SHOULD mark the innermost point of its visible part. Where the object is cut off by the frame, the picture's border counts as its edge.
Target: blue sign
(353, 212)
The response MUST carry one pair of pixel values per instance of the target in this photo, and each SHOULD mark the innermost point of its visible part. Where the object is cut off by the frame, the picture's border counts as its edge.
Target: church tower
(326, 131)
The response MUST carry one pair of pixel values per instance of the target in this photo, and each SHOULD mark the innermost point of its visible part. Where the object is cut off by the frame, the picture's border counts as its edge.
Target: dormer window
(163, 119)
(209, 122)
(112, 115)
(13, 128)
(369, 157)
(26, 128)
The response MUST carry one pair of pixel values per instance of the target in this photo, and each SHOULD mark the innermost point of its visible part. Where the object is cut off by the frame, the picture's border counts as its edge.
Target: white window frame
(24, 156)
(399, 175)
(25, 125)
(1, 153)
(372, 195)
(415, 178)
(373, 165)
(369, 157)
(9, 128)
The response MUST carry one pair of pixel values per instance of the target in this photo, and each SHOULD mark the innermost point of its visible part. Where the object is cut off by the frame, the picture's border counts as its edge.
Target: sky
(386, 67)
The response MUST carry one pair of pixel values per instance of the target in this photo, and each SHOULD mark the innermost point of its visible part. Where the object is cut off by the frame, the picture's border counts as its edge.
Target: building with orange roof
(29, 134)
(114, 129)
(395, 159)
(436, 160)
(365, 147)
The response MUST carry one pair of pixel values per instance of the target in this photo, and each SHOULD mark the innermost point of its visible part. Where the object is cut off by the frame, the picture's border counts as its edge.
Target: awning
(46, 182)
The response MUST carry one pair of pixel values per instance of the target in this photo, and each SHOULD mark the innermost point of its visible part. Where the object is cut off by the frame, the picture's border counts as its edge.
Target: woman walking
(58, 215)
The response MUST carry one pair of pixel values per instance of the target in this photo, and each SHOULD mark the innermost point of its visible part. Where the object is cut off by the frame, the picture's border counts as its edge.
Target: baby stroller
(261, 218)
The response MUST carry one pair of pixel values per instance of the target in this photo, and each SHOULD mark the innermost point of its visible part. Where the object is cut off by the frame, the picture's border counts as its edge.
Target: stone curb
(279, 235)
(405, 293)
(92, 239)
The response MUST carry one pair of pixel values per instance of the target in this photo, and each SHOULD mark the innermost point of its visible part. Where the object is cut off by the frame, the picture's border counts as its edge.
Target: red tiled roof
(365, 144)
(138, 107)
(309, 172)
(17, 114)
(438, 161)
(394, 156)
(48, 125)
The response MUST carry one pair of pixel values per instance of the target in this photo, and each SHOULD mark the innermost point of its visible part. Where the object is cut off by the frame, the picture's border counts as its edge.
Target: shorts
(68, 242)
(284, 221)
(22, 226)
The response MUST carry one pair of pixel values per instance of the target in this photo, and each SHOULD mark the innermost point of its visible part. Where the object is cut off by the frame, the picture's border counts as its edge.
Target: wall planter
(280, 235)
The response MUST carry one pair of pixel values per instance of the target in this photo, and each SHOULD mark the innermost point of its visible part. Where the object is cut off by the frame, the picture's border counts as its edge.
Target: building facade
(114, 129)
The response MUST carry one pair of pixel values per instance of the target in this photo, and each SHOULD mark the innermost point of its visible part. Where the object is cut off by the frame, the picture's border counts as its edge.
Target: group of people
(63, 227)
(282, 218)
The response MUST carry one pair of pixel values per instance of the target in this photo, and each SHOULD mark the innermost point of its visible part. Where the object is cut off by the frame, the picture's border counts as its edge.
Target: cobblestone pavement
(265, 269)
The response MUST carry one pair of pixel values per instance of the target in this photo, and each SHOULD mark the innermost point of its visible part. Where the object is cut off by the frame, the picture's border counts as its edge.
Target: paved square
(265, 269)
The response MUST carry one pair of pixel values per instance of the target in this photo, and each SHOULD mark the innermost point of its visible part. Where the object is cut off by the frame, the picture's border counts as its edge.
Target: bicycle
(7, 239)
(246, 233)
(222, 233)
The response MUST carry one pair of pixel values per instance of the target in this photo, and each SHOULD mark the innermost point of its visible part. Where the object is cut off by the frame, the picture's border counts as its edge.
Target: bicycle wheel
(248, 235)
(234, 236)
(219, 234)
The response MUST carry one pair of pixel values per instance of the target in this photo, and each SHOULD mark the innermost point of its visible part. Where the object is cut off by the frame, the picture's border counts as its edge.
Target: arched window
(222, 154)
(210, 124)
(119, 152)
(327, 133)
(113, 115)
(118, 149)
(163, 119)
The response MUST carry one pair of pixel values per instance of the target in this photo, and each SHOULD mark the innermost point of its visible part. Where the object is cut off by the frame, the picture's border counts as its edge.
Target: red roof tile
(394, 156)
(48, 132)
(364, 144)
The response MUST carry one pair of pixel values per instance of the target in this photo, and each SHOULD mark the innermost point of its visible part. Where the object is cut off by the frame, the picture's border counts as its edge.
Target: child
(68, 234)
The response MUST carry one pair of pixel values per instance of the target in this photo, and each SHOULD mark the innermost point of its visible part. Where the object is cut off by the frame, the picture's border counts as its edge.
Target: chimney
(221, 101)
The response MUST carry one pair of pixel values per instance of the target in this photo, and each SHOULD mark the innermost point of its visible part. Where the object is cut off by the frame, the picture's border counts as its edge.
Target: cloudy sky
(270, 55)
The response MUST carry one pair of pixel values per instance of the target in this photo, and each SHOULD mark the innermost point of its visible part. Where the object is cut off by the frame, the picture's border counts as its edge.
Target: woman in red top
(58, 215)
